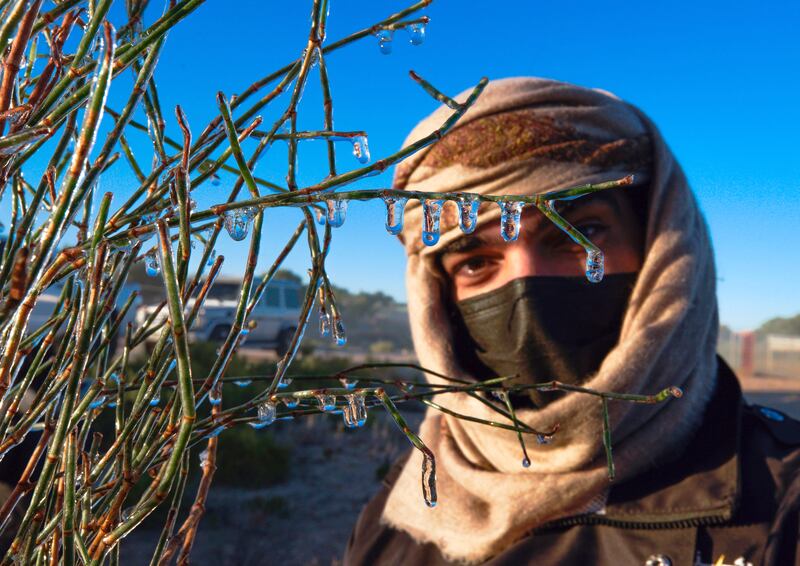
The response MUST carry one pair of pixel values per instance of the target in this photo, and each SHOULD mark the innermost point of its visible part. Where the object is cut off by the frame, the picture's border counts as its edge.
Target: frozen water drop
(509, 219)
(215, 394)
(243, 382)
(339, 333)
(361, 149)
(324, 323)
(327, 402)
(151, 264)
(542, 439)
(156, 398)
(526, 462)
(97, 402)
(284, 382)
(416, 33)
(395, 207)
(354, 413)
(216, 180)
(348, 383)
(385, 40)
(429, 479)
(337, 209)
(468, 213)
(266, 415)
(431, 213)
(203, 456)
(290, 402)
(594, 266)
(211, 257)
(237, 222)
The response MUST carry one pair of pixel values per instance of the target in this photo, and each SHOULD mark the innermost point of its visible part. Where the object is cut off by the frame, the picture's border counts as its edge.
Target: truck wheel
(284, 340)
(220, 332)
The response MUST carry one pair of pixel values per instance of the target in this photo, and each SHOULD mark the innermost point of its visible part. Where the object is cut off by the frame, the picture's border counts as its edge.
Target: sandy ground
(307, 520)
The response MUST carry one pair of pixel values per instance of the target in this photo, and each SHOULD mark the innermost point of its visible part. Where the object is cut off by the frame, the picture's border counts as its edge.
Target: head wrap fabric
(528, 136)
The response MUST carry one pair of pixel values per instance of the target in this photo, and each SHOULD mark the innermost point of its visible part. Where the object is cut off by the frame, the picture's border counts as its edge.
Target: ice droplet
(237, 222)
(348, 383)
(284, 382)
(290, 402)
(429, 480)
(211, 257)
(594, 266)
(337, 209)
(321, 216)
(243, 382)
(416, 33)
(216, 180)
(385, 40)
(266, 415)
(339, 333)
(215, 394)
(509, 219)
(203, 456)
(97, 402)
(324, 323)
(327, 402)
(542, 439)
(361, 149)
(151, 264)
(468, 213)
(395, 207)
(526, 462)
(156, 398)
(354, 413)
(431, 213)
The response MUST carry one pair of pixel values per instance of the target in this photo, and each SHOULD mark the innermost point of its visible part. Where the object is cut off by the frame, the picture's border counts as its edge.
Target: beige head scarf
(529, 136)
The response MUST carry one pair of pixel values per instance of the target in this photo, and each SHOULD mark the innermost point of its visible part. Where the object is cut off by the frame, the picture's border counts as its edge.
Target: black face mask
(542, 328)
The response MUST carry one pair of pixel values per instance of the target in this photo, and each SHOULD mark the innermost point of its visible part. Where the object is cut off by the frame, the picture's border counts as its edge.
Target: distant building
(753, 353)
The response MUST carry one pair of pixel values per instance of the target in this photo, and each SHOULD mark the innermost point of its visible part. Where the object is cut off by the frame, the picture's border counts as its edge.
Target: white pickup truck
(275, 316)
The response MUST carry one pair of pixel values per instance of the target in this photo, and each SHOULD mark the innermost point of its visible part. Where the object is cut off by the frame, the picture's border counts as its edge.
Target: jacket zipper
(706, 520)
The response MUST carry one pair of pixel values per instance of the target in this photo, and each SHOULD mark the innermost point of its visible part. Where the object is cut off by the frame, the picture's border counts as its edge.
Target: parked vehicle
(273, 319)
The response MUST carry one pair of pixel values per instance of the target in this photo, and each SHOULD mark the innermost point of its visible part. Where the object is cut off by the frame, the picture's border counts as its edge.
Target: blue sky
(719, 78)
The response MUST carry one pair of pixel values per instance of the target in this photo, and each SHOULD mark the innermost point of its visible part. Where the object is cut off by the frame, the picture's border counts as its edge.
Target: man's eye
(591, 229)
(472, 267)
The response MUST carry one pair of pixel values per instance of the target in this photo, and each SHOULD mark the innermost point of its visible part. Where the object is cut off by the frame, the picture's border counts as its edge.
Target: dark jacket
(734, 491)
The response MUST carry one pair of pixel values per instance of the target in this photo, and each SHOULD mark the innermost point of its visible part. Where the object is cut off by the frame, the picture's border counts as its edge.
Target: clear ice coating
(215, 180)
(243, 382)
(361, 149)
(203, 456)
(324, 323)
(354, 413)
(266, 415)
(385, 40)
(339, 333)
(468, 213)
(431, 213)
(284, 382)
(429, 480)
(156, 398)
(337, 209)
(595, 267)
(542, 439)
(151, 265)
(509, 219)
(215, 394)
(290, 402)
(327, 402)
(348, 383)
(97, 402)
(321, 216)
(237, 222)
(416, 33)
(395, 207)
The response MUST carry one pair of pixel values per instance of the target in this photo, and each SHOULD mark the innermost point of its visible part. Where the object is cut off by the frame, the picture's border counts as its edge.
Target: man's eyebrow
(464, 244)
(606, 197)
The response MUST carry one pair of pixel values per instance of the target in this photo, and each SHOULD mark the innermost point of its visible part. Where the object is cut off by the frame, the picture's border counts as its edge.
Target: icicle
(266, 415)
(242, 382)
(327, 402)
(211, 256)
(215, 394)
(337, 209)
(348, 383)
(416, 33)
(324, 323)
(431, 213)
(354, 413)
(290, 402)
(429, 480)
(151, 264)
(237, 222)
(339, 333)
(395, 207)
(468, 213)
(385, 40)
(509, 219)
(594, 266)
(361, 149)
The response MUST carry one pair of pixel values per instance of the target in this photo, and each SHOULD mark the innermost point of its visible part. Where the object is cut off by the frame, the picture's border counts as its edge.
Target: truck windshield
(224, 291)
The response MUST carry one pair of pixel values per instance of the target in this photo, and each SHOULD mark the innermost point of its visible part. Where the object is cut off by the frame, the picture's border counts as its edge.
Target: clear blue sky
(719, 78)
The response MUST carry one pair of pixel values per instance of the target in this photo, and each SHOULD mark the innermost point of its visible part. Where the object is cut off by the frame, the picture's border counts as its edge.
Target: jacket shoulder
(781, 427)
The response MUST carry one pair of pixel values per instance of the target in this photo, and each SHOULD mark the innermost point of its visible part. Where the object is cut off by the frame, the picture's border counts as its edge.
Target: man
(699, 480)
